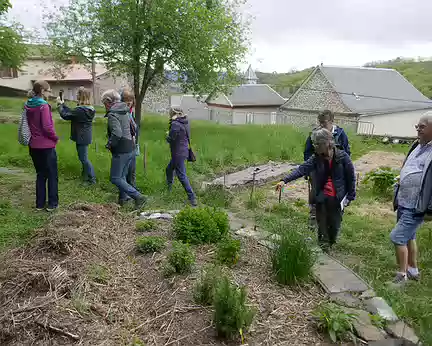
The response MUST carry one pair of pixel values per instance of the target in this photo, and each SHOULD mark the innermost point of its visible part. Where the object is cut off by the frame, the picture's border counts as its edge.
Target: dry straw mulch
(81, 282)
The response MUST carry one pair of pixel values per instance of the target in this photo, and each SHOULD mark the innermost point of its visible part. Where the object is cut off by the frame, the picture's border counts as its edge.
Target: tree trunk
(94, 80)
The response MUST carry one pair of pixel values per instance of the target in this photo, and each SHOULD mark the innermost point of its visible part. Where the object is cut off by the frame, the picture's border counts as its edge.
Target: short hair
(110, 96)
(40, 86)
(175, 110)
(427, 116)
(127, 96)
(83, 96)
(324, 114)
(322, 136)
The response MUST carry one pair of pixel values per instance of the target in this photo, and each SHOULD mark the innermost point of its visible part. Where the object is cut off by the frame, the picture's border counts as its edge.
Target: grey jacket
(424, 201)
(119, 134)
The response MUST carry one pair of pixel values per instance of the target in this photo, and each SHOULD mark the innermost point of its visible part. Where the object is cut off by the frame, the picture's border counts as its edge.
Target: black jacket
(81, 119)
(342, 173)
(178, 138)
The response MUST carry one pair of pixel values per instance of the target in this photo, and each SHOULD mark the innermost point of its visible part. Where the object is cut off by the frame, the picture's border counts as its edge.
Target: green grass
(365, 247)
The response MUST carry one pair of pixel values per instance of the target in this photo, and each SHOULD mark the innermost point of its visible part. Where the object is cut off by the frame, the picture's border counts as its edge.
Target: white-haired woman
(179, 140)
(121, 145)
(333, 184)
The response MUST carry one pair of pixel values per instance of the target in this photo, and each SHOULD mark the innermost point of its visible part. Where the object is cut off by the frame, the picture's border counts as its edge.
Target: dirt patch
(80, 281)
(376, 159)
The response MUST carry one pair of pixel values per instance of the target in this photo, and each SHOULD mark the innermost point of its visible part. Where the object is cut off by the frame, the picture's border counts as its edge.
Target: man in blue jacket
(325, 120)
(333, 184)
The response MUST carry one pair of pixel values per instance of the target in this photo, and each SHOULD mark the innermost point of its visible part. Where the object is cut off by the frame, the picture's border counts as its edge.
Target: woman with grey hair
(121, 145)
(333, 184)
(179, 141)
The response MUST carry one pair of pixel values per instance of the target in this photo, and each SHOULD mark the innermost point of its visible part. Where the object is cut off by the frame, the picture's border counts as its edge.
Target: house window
(273, 118)
(249, 118)
(7, 72)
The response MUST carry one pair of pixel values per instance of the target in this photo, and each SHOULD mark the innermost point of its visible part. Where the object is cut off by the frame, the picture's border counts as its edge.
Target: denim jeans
(45, 163)
(131, 175)
(88, 170)
(408, 222)
(179, 167)
(119, 169)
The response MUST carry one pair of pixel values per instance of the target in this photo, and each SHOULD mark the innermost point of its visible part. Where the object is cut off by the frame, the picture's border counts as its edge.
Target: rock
(387, 342)
(364, 327)
(402, 331)
(368, 294)
(378, 305)
(258, 235)
(345, 299)
(267, 244)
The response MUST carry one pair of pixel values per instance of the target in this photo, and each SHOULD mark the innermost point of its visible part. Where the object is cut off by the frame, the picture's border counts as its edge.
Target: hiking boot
(140, 202)
(412, 276)
(399, 280)
(193, 203)
(122, 202)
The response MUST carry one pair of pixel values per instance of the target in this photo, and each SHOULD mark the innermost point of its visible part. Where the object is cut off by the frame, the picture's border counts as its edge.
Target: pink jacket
(43, 135)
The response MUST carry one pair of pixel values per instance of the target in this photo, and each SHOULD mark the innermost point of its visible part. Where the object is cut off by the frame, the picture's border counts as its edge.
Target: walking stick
(280, 194)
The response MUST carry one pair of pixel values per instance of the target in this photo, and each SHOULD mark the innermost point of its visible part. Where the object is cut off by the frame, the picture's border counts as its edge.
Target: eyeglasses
(420, 126)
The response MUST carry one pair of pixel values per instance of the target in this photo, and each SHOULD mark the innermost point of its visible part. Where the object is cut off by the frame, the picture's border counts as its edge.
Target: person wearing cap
(179, 140)
(325, 120)
(122, 147)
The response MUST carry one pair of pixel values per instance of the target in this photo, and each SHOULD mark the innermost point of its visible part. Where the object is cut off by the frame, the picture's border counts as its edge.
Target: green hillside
(419, 73)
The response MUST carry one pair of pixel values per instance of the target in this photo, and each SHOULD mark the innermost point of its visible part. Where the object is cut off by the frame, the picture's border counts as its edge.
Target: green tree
(204, 39)
(13, 51)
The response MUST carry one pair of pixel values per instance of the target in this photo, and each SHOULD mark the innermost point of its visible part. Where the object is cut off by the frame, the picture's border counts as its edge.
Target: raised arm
(303, 170)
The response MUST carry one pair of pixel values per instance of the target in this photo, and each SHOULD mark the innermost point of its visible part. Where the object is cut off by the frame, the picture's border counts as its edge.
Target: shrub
(206, 285)
(145, 225)
(181, 258)
(336, 322)
(201, 225)
(382, 180)
(150, 244)
(292, 258)
(231, 314)
(228, 251)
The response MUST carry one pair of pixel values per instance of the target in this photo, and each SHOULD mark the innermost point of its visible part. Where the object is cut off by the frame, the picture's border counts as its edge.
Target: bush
(201, 225)
(382, 180)
(228, 251)
(292, 258)
(206, 285)
(150, 244)
(181, 258)
(336, 322)
(145, 225)
(231, 314)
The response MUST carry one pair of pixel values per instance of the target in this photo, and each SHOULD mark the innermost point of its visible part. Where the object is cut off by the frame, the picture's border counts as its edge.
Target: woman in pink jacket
(42, 145)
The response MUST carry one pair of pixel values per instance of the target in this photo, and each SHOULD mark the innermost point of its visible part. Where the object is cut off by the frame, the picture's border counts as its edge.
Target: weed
(150, 244)
(136, 341)
(98, 273)
(80, 303)
(336, 322)
(201, 225)
(181, 258)
(256, 199)
(378, 321)
(292, 258)
(217, 196)
(382, 180)
(145, 225)
(228, 251)
(206, 285)
(231, 314)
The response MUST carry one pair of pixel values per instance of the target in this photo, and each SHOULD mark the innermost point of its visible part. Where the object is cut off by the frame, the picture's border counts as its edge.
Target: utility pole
(93, 63)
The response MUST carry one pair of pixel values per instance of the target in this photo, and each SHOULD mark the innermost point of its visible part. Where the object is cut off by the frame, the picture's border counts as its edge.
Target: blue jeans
(119, 169)
(131, 175)
(407, 225)
(45, 163)
(179, 167)
(87, 167)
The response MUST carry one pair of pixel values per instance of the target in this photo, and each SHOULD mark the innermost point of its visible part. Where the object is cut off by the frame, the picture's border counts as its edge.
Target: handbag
(191, 155)
(24, 133)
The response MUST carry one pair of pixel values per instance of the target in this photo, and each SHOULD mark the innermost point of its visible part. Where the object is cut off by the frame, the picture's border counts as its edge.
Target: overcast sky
(289, 34)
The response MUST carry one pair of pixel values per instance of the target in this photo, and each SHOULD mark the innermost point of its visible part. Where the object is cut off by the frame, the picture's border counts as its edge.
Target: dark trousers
(312, 207)
(179, 167)
(88, 172)
(45, 164)
(131, 175)
(329, 219)
(119, 170)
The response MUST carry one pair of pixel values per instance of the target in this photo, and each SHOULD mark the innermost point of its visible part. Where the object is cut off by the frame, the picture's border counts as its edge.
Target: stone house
(249, 103)
(373, 101)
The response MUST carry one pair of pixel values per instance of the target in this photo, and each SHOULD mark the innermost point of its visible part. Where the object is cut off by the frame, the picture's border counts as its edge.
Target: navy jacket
(81, 119)
(341, 141)
(342, 173)
(179, 132)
